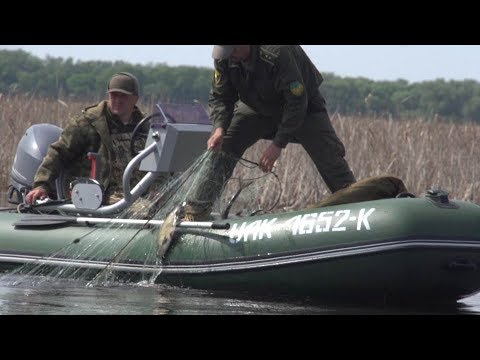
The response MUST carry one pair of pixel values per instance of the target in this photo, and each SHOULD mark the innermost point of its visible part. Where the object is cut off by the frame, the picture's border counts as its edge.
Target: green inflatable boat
(407, 249)
(419, 250)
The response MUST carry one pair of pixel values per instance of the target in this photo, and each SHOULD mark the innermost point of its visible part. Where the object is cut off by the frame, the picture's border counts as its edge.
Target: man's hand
(216, 140)
(269, 156)
(38, 193)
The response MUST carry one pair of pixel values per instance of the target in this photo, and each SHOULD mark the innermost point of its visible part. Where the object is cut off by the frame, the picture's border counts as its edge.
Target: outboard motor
(31, 150)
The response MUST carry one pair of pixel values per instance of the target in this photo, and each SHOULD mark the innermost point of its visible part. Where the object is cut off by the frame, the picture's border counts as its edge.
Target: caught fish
(167, 231)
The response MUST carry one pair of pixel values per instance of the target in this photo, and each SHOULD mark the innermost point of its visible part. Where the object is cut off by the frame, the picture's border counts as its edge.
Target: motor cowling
(31, 150)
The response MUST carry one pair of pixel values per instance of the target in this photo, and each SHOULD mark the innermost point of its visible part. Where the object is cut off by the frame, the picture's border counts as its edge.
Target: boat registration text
(315, 222)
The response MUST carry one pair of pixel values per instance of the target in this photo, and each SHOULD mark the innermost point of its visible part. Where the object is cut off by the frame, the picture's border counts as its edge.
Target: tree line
(58, 78)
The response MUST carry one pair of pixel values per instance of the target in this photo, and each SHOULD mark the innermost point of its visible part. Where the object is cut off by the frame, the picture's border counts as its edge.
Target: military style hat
(221, 52)
(123, 82)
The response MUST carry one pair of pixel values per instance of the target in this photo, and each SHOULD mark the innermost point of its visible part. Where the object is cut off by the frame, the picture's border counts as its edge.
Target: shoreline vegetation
(423, 153)
(59, 78)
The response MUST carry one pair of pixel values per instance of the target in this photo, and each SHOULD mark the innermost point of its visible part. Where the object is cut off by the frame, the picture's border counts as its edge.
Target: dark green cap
(123, 82)
(221, 52)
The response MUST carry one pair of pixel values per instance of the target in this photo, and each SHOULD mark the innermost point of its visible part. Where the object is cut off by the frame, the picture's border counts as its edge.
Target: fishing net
(226, 186)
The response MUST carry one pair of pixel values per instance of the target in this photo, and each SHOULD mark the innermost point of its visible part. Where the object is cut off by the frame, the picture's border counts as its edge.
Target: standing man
(268, 91)
(105, 128)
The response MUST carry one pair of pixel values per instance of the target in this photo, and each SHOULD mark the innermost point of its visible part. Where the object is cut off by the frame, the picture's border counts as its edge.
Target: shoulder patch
(297, 88)
(217, 77)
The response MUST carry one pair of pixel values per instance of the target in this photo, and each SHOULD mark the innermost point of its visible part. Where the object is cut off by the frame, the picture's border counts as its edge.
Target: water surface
(34, 295)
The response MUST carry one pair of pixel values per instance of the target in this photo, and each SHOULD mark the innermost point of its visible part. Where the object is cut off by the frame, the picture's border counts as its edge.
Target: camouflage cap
(221, 52)
(123, 82)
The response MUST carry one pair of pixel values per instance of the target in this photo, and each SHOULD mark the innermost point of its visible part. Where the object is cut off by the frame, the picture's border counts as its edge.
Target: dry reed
(424, 154)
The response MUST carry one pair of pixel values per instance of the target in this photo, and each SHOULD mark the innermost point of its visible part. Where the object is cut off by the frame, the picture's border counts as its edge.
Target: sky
(414, 63)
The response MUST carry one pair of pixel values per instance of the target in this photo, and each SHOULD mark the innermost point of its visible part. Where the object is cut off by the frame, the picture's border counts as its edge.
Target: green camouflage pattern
(95, 130)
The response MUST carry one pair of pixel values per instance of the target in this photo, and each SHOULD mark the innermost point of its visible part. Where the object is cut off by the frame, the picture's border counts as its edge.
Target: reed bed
(424, 154)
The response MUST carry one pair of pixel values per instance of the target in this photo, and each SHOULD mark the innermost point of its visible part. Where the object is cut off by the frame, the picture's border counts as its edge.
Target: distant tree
(62, 78)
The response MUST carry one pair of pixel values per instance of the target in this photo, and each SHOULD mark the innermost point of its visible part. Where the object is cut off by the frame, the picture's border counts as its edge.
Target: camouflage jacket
(95, 130)
(280, 81)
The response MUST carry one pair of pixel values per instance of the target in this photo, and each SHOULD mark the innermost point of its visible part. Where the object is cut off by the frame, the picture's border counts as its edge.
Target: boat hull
(414, 272)
(385, 251)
